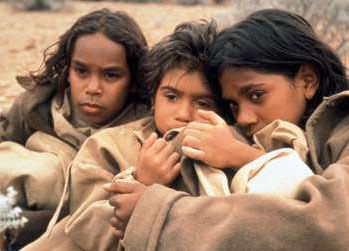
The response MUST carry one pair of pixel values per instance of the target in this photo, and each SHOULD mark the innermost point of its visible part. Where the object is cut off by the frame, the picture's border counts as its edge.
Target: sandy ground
(24, 35)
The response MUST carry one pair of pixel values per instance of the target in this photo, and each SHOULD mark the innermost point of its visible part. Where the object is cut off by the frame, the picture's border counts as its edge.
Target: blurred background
(27, 27)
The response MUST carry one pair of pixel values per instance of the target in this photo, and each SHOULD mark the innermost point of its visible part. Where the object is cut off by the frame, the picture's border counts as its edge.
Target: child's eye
(82, 71)
(171, 97)
(111, 76)
(205, 104)
(256, 96)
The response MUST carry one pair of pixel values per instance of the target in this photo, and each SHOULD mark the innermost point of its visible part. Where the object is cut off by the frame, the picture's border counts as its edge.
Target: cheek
(75, 93)
(291, 109)
(298, 110)
(116, 93)
(73, 79)
(161, 115)
(296, 105)
(76, 86)
(160, 122)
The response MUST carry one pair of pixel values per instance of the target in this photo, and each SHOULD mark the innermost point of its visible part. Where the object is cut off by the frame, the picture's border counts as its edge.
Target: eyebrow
(248, 87)
(170, 88)
(112, 67)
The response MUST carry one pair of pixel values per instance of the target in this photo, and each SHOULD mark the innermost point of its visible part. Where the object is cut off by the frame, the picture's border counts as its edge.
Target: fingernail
(184, 149)
(107, 186)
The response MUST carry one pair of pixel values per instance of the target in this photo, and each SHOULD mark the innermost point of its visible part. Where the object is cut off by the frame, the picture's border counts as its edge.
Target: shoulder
(339, 100)
(117, 146)
(328, 129)
(137, 130)
(332, 111)
(129, 113)
(142, 125)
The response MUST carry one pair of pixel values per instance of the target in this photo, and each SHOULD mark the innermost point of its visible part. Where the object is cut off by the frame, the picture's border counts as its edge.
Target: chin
(95, 121)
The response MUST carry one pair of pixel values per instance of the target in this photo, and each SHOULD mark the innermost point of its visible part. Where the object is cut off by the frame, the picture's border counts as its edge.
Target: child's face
(178, 98)
(99, 78)
(256, 99)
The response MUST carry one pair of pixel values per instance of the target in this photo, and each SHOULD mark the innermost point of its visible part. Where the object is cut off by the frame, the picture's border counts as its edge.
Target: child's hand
(213, 143)
(158, 162)
(124, 197)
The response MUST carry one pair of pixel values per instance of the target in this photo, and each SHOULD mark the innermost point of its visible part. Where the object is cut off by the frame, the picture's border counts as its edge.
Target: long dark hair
(276, 41)
(117, 26)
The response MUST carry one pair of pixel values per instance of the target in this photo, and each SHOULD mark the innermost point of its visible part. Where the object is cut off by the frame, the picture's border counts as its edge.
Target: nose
(94, 86)
(185, 112)
(246, 117)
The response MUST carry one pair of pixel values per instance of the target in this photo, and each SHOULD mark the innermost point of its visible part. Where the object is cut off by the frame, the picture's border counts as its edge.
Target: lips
(91, 108)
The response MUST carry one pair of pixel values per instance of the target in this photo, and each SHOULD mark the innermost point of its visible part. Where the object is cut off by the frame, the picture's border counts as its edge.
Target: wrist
(136, 175)
(140, 177)
(252, 154)
(246, 154)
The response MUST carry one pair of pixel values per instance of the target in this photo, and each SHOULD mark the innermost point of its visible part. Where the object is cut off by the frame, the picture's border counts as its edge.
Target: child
(88, 82)
(270, 66)
(174, 70)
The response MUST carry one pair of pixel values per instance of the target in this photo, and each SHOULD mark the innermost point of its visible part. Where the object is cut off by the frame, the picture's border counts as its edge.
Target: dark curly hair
(117, 26)
(276, 41)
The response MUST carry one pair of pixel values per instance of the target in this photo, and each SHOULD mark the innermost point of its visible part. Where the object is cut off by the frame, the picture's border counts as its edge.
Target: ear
(307, 79)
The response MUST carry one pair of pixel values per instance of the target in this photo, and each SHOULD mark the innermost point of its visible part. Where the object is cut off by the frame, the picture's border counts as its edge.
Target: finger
(126, 204)
(200, 126)
(158, 146)
(167, 151)
(117, 223)
(173, 159)
(113, 201)
(119, 234)
(172, 173)
(211, 117)
(192, 132)
(175, 170)
(150, 140)
(121, 186)
(118, 201)
(193, 153)
(191, 141)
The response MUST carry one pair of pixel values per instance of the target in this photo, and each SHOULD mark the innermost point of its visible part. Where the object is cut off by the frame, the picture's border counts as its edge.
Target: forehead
(240, 76)
(98, 49)
(193, 82)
